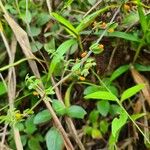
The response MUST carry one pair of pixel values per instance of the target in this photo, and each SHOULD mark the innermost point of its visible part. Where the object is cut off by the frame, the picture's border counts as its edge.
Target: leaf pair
(61, 50)
(83, 24)
(73, 111)
(106, 95)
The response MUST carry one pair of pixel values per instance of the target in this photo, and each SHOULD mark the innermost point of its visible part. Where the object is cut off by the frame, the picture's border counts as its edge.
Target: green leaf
(65, 23)
(75, 111)
(119, 72)
(130, 19)
(127, 36)
(93, 117)
(59, 107)
(24, 139)
(104, 95)
(50, 46)
(2, 88)
(103, 107)
(141, 67)
(104, 126)
(123, 35)
(117, 124)
(113, 89)
(36, 46)
(131, 91)
(30, 126)
(34, 144)
(96, 134)
(26, 17)
(62, 49)
(137, 116)
(20, 126)
(91, 89)
(35, 31)
(54, 140)
(142, 17)
(42, 18)
(67, 95)
(114, 109)
(88, 130)
(42, 117)
(90, 18)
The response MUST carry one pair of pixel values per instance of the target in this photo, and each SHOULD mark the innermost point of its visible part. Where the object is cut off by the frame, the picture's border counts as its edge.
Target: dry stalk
(68, 120)
(12, 86)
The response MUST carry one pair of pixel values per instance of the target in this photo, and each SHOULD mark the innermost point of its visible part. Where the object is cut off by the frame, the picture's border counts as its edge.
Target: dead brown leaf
(23, 41)
(138, 78)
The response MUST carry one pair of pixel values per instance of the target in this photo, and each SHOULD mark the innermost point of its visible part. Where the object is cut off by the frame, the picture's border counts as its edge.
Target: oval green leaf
(117, 124)
(103, 107)
(59, 107)
(104, 95)
(42, 117)
(131, 91)
(65, 23)
(75, 111)
(54, 140)
(119, 72)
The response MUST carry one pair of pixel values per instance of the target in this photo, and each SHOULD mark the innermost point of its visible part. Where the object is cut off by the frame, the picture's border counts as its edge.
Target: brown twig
(68, 120)
(3, 137)
(12, 88)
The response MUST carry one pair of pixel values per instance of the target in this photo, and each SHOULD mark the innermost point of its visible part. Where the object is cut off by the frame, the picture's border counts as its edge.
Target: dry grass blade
(12, 86)
(138, 78)
(23, 40)
(12, 90)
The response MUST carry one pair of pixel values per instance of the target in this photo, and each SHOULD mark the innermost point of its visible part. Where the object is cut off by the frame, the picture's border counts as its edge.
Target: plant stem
(119, 103)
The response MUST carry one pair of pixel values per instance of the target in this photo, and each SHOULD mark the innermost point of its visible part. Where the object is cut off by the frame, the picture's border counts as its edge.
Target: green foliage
(33, 144)
(30, 126)
(103, 107)
(104, 95)
(61, 50)
(104, 126)
(90, 18)
(141, 67)
(2, 88)
(78, 51)
(119, 72)
(96, 134)
(131, 91)
(65, 23)
(142, 17)
(42, 117)
(59, 107)
(118, 123)
(75, 111)
(54, 140)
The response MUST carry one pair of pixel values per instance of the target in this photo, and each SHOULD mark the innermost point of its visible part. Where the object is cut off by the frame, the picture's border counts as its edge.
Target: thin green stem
(138, 51)
(119, 103)
(80, 43)
(14, 64)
